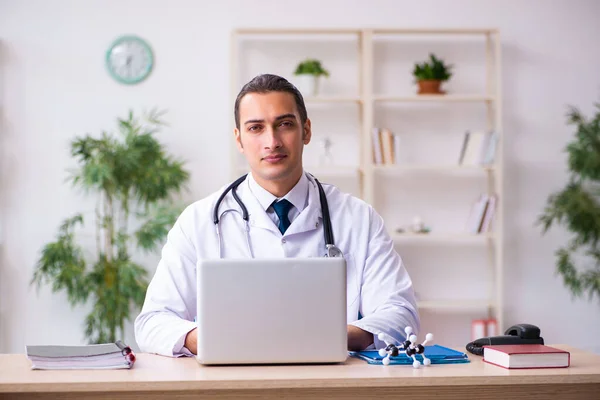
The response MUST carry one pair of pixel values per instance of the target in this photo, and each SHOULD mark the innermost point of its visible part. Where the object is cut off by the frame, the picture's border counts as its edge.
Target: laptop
(272, 311)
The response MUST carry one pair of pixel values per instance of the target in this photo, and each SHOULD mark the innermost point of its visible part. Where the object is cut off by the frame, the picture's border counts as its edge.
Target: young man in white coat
(272, 128)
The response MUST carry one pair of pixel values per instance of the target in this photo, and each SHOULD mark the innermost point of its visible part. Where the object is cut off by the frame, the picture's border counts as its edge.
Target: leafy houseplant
(308, 73)
(430, 75)
(577, 207)
(132, 178)
(311, 67)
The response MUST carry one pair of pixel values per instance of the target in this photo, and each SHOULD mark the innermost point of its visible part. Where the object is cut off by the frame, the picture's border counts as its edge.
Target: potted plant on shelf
(134, 180)
(577, 208)
(308, 74)
(430, 75)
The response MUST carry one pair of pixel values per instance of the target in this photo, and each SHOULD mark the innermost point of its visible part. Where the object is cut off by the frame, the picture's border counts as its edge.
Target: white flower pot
(308, 85)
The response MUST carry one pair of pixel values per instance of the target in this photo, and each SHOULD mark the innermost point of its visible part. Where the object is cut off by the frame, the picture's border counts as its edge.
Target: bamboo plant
(135, 183)
(577, 208)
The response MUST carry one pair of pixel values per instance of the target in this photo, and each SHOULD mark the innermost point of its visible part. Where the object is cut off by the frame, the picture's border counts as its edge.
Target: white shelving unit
(366, 103)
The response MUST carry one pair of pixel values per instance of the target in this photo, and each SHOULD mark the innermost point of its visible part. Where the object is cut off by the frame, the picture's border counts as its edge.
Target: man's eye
(286, 124)
(254, 128)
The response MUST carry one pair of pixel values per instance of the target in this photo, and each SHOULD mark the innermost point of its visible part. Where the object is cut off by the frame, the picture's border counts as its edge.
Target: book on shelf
(482, 214)
(386, 146)
(514, 356)
(94, 356)
(483, 328)
(478, 148)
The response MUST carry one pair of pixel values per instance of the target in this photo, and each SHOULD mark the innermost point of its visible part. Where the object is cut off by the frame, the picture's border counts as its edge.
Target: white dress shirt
(298, 196)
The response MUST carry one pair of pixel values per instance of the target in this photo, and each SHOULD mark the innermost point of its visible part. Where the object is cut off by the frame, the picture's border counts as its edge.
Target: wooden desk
(160, 377)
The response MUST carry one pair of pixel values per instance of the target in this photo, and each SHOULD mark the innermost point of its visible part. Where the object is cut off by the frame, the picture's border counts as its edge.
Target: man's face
(271, 136)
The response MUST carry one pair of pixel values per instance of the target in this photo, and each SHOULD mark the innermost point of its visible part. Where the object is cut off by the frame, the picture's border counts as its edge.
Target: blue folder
(436, 353)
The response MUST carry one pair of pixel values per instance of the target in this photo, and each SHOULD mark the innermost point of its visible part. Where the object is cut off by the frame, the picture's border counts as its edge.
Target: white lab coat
(378, 285)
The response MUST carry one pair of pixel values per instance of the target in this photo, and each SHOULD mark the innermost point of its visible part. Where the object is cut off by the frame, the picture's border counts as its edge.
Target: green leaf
(156, 227)
(62, 264)
(311, 66)
(435, 69)
(130, 173)
(576, 207)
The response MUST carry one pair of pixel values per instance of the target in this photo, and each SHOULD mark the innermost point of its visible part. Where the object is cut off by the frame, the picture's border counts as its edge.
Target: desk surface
(156, 373)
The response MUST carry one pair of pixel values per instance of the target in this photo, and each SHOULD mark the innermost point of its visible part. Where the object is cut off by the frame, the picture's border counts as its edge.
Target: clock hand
(128, 65)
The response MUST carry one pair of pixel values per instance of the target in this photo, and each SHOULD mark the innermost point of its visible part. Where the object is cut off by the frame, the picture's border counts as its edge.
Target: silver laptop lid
(290, 310)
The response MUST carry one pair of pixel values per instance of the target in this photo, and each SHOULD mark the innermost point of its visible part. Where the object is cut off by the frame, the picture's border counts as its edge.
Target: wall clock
(129, 59)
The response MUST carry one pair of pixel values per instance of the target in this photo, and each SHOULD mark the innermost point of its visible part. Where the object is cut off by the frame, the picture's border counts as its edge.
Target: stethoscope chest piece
(333, 251)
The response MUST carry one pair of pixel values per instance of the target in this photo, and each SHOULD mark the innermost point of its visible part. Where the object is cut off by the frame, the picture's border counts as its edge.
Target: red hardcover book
(514, 356)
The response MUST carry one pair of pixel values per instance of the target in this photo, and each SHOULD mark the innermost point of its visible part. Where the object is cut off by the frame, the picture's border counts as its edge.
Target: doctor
(285, 220)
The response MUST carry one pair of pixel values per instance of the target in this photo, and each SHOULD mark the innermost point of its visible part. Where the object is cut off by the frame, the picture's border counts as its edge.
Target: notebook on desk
(95, 356)
(436, 353)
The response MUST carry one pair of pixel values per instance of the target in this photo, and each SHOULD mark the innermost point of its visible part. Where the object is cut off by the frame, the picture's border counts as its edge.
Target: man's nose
(272, 139)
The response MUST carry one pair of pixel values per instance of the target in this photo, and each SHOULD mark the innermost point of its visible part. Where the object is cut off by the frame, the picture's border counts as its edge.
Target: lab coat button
(282, 240)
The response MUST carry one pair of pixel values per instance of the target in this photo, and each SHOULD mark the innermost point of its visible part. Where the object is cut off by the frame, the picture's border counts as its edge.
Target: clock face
(129, 59)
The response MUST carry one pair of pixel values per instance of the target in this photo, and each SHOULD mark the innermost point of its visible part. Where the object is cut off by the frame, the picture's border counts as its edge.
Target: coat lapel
(310, 218)
(258, 216)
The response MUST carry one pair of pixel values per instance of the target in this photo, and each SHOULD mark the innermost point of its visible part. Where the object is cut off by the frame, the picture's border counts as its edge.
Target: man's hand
(358, 339)
(191, 341)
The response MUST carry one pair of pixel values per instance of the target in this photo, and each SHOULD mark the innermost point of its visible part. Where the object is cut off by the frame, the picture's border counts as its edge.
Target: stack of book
(483, 328)
(482, 214)
(478, 148)
(386, 146)
(96, 356)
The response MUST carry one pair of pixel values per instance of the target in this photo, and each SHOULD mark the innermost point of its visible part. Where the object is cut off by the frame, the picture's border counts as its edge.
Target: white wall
(53, 86)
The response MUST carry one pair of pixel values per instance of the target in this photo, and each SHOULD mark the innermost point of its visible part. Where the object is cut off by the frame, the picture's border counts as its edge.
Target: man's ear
(307, 132)
(238, 140)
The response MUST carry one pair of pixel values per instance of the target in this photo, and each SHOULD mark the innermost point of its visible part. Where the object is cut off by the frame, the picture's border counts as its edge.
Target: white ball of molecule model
(382, 352)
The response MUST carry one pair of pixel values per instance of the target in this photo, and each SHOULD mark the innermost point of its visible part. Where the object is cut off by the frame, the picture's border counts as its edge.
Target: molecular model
(409, 347)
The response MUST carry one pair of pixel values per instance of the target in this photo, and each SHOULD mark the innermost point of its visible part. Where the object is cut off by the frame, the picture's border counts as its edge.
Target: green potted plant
(577, 208)
(135, 182)
(308, 74)
(429, 75)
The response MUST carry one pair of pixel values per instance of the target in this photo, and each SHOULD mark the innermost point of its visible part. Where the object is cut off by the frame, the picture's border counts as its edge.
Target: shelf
(432, 168)
(443, 237)
(332, 99)
(377, 31)
(455, 305)
(372, 97)
(434, 98)
(294, 31)
(434, 31)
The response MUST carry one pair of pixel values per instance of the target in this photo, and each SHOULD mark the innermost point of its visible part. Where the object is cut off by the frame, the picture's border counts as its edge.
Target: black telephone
(516, 334)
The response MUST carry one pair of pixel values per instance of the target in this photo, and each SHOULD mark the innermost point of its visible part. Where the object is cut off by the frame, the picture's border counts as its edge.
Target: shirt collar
(298, 196)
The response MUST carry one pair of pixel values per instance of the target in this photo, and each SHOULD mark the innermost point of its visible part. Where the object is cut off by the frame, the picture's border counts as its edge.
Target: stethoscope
(331, 249)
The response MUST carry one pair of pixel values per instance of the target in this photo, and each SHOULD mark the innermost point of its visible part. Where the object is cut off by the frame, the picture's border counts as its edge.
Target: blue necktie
(282, 208)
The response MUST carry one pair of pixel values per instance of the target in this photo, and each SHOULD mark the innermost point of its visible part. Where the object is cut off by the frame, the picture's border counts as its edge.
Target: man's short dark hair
(270, 83)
